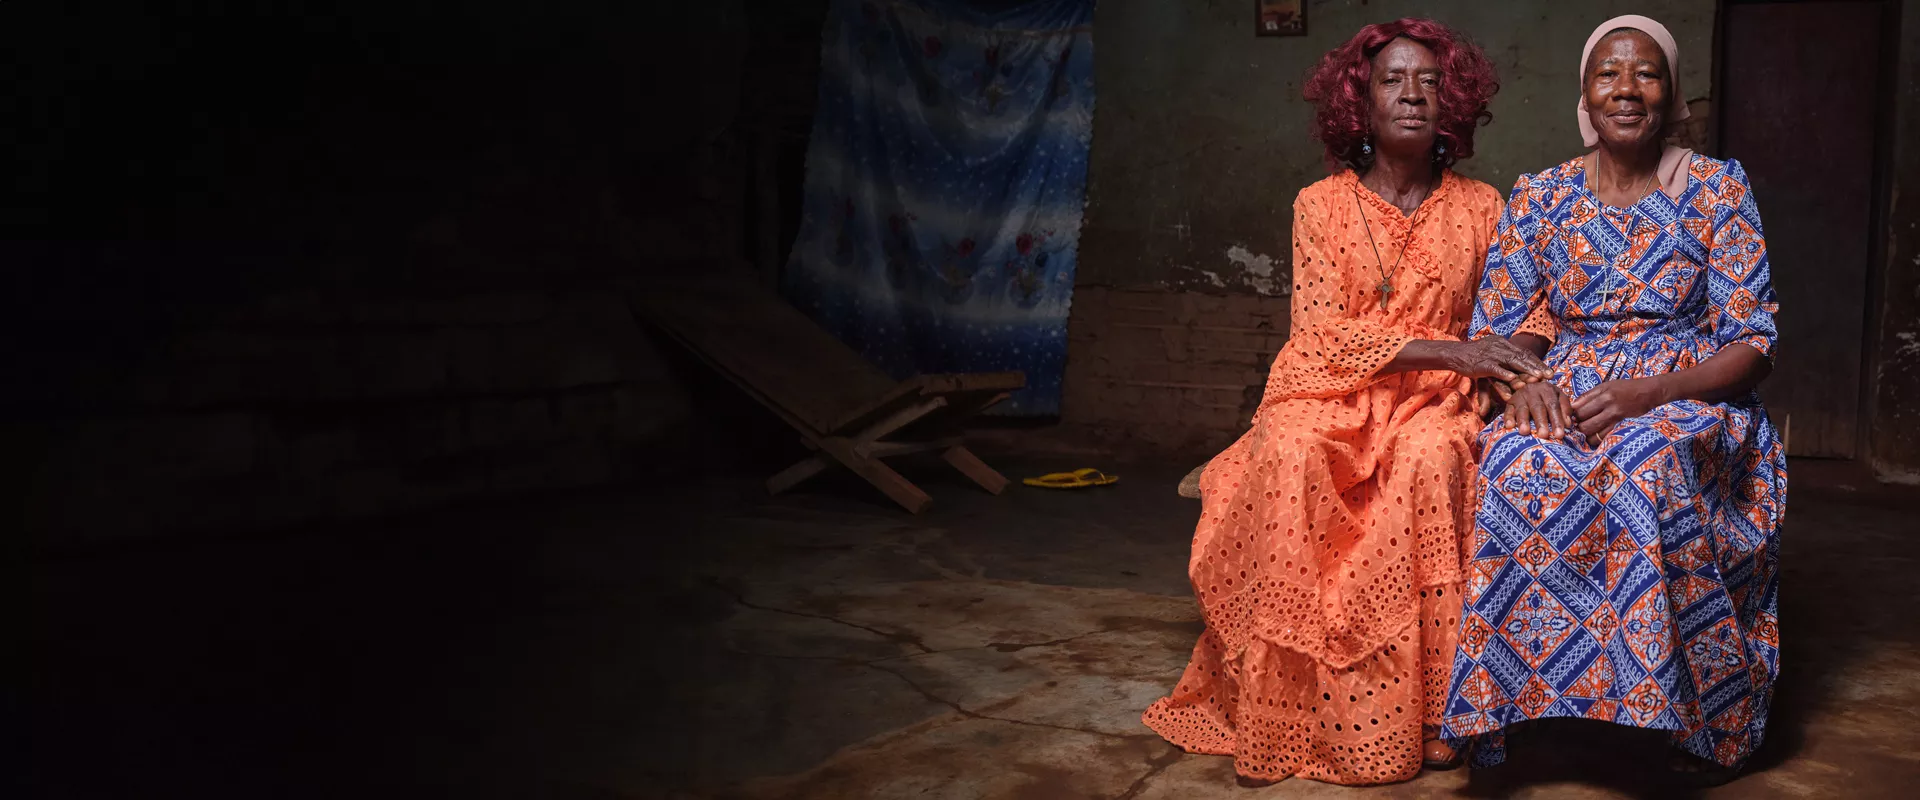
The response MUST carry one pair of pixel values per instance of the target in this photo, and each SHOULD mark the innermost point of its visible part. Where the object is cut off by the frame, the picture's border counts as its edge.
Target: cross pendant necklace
(1615, 288)
(1386, 277)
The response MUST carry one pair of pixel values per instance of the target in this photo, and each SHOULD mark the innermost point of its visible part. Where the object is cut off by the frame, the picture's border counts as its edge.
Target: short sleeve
(1739, 281)
(1512, 284)
(1540, 321)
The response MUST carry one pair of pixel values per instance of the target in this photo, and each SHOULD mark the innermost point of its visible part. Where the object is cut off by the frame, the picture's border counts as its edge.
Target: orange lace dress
(1327, 557)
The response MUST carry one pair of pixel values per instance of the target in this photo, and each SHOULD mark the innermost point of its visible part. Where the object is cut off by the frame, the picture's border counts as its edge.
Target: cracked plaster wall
(1201, 142)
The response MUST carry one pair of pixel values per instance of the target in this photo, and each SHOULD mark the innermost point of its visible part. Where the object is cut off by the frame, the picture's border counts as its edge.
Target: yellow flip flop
(1076, 479)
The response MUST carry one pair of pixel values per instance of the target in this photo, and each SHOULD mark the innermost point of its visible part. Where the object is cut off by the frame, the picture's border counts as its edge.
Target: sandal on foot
(1430, 758)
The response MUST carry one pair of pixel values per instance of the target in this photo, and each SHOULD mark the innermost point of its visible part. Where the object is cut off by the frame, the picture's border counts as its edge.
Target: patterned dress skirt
(1635, 581)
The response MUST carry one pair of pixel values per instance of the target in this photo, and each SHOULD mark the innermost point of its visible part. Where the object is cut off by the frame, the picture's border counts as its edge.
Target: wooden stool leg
(971, 466)
(792, 476)
(890, 483)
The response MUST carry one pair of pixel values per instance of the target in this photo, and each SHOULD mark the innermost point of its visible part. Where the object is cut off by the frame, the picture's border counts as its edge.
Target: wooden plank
(864, 414)
(1800, 78)
(973, 382)
(890, 449)
(756, 336)
(949, 384)
(960, 408)
(805, 427)
(971, 466)
(792, 476)
(738, 356)
(899, 419)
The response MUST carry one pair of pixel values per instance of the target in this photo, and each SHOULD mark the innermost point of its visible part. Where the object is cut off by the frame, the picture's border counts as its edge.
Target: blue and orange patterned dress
(1635, 581)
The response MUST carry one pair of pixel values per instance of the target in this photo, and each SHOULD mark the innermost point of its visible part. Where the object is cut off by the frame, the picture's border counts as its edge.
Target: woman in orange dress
(1327, 560)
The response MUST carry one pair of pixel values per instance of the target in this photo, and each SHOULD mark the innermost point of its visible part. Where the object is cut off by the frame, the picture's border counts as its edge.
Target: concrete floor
(709, 642)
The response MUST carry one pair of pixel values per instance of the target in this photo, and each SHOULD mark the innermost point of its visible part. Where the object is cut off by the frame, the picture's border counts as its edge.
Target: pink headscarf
(1673, 160)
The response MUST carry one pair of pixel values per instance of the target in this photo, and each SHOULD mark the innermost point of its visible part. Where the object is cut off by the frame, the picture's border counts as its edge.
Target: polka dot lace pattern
(1340, 337)
(1327, 560)
(1539, 321)
(1280, 713)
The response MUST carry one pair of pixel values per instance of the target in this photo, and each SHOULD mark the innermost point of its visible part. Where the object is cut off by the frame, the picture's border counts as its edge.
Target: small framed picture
(1279, 17)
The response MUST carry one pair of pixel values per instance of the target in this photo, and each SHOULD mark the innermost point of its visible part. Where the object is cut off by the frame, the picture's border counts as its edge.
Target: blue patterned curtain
(945, 182)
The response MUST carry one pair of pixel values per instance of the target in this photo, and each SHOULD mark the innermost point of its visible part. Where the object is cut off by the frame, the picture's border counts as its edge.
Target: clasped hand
(1498, 368)
(1541, 409)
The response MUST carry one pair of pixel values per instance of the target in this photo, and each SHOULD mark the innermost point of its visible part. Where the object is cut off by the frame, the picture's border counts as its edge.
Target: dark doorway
(1800, 89)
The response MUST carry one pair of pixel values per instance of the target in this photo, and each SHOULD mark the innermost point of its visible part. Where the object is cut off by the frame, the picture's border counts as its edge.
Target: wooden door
(1800, 93)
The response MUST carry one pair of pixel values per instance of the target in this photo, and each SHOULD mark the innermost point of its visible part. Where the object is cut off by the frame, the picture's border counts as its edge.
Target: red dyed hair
(1342, 102)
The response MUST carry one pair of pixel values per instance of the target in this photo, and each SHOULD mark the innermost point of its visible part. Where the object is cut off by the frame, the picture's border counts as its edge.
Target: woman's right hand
(1490, 397)
(1540, 409)
(1495, 357)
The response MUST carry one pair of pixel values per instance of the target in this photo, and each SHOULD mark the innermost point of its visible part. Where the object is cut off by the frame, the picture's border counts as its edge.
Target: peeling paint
(1259, 272)
(1909, 344)
(1246, 272)
(1894, 473)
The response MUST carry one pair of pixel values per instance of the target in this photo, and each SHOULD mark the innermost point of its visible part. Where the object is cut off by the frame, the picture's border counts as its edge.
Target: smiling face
(1625, 90)
(1404, 87)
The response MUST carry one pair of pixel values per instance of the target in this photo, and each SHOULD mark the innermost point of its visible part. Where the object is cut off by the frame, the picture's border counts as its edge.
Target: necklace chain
(1641, 191)
(1613, 274)
(1386, 278)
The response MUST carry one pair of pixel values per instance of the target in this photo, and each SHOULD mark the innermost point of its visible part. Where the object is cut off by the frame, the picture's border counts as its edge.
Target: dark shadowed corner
(349, 465)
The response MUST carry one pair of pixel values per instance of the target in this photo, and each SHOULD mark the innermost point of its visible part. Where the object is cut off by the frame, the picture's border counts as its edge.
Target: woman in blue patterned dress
(1625, 555)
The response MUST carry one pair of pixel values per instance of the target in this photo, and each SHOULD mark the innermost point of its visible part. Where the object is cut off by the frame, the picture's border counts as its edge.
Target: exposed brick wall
(1167, 371)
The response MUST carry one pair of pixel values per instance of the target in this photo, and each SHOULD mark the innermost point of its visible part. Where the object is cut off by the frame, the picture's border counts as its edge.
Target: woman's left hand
(1599, 410)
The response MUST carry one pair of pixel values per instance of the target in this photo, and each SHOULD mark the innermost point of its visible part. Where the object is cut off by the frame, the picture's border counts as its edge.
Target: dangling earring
(1440, 152)
(1366, 148)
